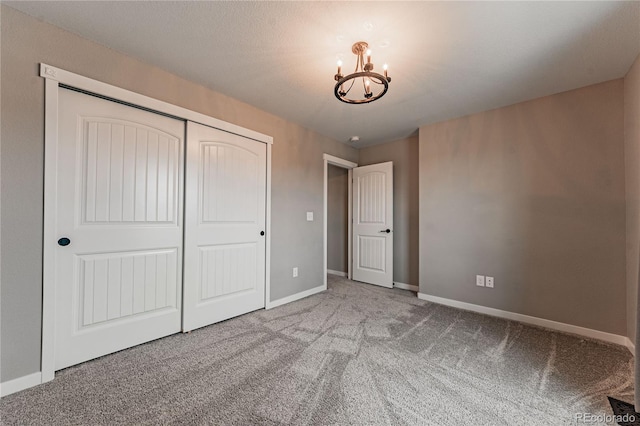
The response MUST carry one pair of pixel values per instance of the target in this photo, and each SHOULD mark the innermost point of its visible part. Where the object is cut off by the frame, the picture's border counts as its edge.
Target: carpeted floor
(355, 354)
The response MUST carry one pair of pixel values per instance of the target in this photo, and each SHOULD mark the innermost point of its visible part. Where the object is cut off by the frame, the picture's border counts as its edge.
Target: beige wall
(337, 218)
(404, 154)
(534, 195)
(297, 170)
(632, 173)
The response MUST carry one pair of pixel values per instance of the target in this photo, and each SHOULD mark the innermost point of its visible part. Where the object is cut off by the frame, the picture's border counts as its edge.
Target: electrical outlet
(295, 272)
(310, 216)
(489, 282)
(480, 280)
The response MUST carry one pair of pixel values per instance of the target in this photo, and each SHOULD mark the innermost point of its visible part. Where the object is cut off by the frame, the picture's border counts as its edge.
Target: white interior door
(224, 226)
(118, 220)
(373, 224)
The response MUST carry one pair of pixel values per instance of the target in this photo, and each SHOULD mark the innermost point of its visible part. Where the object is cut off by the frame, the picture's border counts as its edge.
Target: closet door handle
(64, 241)
(386, 231)
(261, 232)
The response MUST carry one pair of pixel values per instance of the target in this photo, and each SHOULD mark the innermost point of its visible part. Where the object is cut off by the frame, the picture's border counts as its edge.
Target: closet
(154, 224)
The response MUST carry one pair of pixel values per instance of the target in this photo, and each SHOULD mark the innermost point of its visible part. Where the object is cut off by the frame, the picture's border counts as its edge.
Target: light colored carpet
(356, 354)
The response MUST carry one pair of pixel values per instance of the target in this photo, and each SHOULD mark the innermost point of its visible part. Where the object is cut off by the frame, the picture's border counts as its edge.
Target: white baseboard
(404, 286)
(21, 383)
(629, 344)
(541, 322)
(339, 273)
(294, 297)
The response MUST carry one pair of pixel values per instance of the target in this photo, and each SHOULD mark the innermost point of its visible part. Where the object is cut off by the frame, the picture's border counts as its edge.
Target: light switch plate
(480, 280)
(310, 216)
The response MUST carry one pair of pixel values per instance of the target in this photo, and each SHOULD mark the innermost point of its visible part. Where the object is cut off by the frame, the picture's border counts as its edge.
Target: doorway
(330, 160)
(369, 221)
(337, 221)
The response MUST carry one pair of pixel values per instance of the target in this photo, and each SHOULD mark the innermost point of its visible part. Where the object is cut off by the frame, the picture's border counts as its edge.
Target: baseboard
(21, 383)
(629, 344)
(541, 322)
(339, 273)
(295, 297)
(404, 286)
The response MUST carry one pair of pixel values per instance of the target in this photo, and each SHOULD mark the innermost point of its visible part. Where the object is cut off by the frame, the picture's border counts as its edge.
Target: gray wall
(632, 173)
(337, 218)
(297, 170)
(534, 195)
(404, 154)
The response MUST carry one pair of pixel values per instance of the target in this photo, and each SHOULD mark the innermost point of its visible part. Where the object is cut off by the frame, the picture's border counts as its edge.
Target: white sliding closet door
(118, 225)
(225, 213)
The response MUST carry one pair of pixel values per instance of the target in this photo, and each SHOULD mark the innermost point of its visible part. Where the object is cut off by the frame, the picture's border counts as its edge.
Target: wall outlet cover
(480, 280)
(489, 282)
(295, 272)
(310, 216)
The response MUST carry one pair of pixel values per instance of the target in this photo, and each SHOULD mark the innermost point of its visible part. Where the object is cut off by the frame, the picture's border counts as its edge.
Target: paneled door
(373, 224)
(118, 221)
(225, 215)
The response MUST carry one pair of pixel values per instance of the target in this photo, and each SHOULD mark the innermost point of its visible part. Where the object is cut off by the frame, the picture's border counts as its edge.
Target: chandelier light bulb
(369, 56)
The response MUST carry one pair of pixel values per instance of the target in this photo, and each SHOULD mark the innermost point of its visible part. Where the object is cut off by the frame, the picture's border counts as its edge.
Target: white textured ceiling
(446, 59)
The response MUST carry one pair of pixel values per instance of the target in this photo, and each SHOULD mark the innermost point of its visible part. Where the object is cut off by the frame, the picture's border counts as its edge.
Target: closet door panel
(118, 224)
(224, 226)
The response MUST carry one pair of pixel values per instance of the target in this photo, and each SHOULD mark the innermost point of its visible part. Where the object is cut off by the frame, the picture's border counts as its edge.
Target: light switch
(309, 216)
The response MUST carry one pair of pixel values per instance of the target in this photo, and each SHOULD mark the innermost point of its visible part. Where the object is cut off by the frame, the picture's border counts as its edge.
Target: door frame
(349, 165)
(55, 78)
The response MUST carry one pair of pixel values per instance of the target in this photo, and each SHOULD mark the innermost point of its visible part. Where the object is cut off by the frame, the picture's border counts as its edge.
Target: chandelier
(374, 85)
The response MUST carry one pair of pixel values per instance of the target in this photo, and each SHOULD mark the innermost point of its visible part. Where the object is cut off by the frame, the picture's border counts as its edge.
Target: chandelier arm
(350, 87)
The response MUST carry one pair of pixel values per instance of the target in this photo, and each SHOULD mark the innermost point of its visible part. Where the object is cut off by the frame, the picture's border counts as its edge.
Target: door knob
(386, 231)
(64, 241)
(261, 232)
